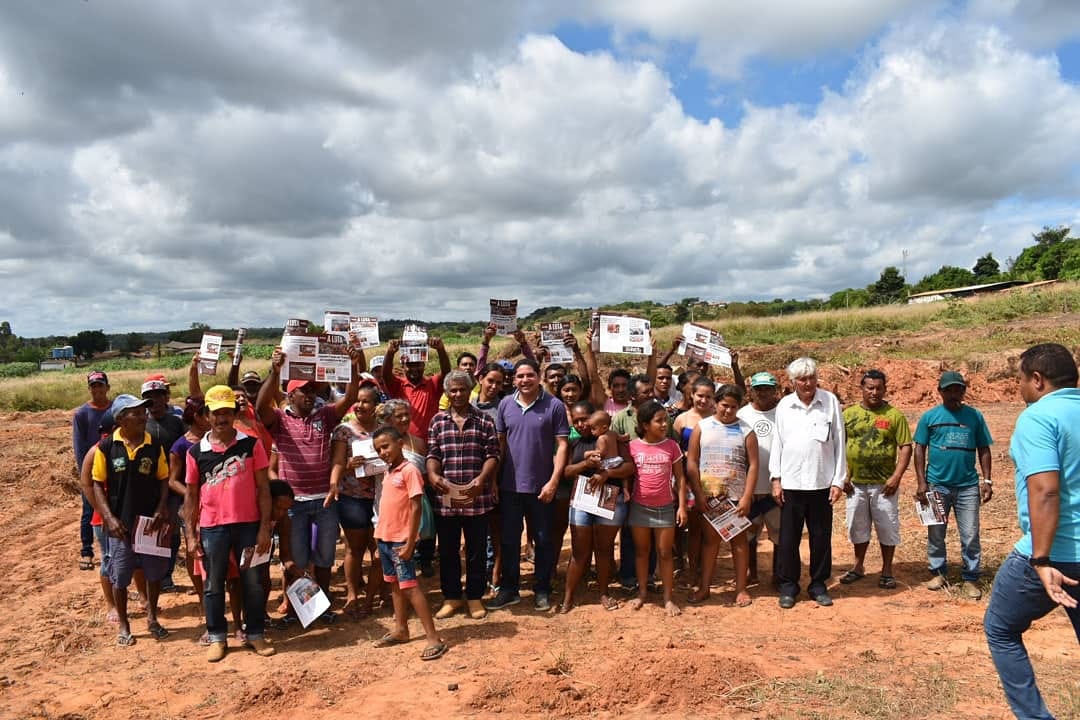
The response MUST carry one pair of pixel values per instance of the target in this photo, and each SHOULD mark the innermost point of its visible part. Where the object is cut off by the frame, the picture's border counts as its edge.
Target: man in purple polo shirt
(302, 434)
(533, 432)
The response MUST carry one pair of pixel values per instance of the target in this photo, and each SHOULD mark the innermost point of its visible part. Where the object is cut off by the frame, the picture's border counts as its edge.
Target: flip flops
(125, 639)
(887, 582)
(86, 563)
(851, 576)
(388, 639)
(434, 652)
(157, 631)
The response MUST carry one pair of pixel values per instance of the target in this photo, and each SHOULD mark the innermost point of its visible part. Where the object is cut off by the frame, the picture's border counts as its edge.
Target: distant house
(55, 364)
(175, 347)
(962, 292)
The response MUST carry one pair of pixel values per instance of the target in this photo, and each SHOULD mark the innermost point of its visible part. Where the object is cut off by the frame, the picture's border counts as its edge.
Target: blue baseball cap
(763, 379)
(125, 402)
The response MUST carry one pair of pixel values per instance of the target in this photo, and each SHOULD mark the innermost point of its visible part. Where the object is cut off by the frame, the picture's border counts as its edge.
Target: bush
(17, 369)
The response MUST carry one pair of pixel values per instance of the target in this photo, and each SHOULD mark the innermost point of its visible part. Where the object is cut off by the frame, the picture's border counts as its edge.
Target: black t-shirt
(166, 431)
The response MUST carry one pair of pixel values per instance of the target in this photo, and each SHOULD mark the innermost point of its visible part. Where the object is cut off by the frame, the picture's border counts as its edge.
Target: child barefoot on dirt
(654, 509)
(397, 532)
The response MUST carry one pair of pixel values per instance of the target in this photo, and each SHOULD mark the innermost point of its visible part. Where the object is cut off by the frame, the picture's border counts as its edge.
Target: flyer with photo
(333, 363)
(504, 316)
(209, 353)
(625, 334)
(300, 349)
(599, 501)
(308, 600)
(933, 512)
(553, 337)
(336, 321)
(414, 347)
(721, 514)
(157, 542)
(364, 331)
(703, 344)
(373, 465)
(250, 557)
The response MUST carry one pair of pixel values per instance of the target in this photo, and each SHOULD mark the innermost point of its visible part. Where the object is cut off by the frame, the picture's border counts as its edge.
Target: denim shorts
(355, 513)
(651, 517)
(102, 542)
(394, 569)
(580, 518)
(123, 562)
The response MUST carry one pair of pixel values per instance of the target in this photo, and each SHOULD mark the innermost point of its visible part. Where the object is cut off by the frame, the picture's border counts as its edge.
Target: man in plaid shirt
(463, 455)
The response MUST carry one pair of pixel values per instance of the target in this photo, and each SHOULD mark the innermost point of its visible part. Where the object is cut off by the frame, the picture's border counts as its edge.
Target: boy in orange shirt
(396, 533)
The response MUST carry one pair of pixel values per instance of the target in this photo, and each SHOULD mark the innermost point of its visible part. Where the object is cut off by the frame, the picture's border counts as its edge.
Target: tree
(1026, 267)
(89, 342)
(986, 268)
(5, 329)
(947, 276)
(890, 287)
(682, 312)
(133, 342)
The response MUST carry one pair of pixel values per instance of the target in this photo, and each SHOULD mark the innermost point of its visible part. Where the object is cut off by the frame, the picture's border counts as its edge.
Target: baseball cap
(505, 365)
(152, 385)
(376, 361)
(250, 377)
(296, 385)
(951, 377)
(220, 397)
(97, 376)
(125, 402)
(763, 379)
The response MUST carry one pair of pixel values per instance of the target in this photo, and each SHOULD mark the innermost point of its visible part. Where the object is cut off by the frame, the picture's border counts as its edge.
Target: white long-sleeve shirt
(808, 443)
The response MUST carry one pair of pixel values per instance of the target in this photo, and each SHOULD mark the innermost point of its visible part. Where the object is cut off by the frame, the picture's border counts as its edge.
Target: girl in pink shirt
(653, 513)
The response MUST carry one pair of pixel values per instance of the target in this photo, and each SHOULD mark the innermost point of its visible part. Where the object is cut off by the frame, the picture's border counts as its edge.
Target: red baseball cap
(296, 385)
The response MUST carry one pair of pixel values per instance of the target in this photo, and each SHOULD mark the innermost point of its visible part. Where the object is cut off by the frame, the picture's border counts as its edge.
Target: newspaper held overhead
(703, 344)
(320, 357)
(599, 501)
(414, 347)
(553, 337)
(721, 514)
(504, 316)
(308, 600)
(625, 334)
(336, 321)
(364, 331)
(157, 543)
(238, 350)
(209, 353)
(333, 363)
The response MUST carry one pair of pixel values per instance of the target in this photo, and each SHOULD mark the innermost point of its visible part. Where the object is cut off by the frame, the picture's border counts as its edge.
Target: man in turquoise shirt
(948, 439)
(1043, 569)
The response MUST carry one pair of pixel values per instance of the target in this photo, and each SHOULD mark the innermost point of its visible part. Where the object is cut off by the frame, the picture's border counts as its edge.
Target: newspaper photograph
(600, 501)
(308, 600)
(157, 543)
(333, 363)
(625, 334)
(720, 512)
(364, 331)
(933, 511)
(336, 321)
(209, 353)
(553, 337)
(504, 316)
(250, 557)
(414, 347)
(702, 343)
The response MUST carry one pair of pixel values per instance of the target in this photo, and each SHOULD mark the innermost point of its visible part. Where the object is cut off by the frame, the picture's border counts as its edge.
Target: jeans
(450, 529)
(812, 509)
(964, 502)
(217, 544)
(305, 514)
(86, 532)
(1018, 599)
(516, 509)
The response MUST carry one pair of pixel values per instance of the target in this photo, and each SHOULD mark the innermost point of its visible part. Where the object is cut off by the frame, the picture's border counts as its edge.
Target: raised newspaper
(504, 316)
(414, 347)
(625, 334)
(721, 514)
(308, 600)
(553, 337)
(321, 357)
(599, 501)
(209, 353)
(364, 331)
(336, 321)
(702, 343)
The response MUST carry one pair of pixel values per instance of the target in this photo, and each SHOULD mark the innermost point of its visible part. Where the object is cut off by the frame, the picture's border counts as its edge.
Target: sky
(241, 163)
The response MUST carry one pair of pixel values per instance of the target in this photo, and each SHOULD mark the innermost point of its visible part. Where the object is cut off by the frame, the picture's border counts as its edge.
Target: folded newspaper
(721, 514)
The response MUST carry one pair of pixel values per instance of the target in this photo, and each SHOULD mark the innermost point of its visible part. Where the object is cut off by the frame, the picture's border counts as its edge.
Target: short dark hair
(583, 405)
(571, 379)
(492, 367)
(730, 390)
(646, 413)
(464, 355)
(193, 406)
(527, 361)
(554, 366)
(1051, 360)
(390, 430)
(665, 366)
(280, 488)
(873, 375)
(641, 378)
(702, 381)
(617, 373)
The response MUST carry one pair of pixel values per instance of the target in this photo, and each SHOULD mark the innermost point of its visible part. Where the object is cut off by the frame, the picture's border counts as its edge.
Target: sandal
(86, 563)
(887, 582)
(609, 603)
(434, 652)
(697, 599)
(389, 639)
(125, 639)
(157, 631)
(851, 576)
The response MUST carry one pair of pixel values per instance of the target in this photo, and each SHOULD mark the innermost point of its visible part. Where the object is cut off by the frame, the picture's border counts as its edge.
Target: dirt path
(875, 654)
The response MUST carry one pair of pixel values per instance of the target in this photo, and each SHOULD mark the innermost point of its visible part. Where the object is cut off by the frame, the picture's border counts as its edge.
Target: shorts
(122, 563)
(580, 518)
(394, 569)
(355, 513)
(102, 542)
(869, 506)
(770, 519)
(651, 517)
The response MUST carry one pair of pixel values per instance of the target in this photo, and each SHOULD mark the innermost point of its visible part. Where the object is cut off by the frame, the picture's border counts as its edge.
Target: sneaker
(970, 590)
(476, 610)
(938, 582)
(216, 651)
(261, 646)
(505, 598)
(542, 602)
(449, 609)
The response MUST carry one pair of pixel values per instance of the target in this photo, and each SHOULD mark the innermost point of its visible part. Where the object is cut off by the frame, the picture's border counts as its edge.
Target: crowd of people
(417, 470)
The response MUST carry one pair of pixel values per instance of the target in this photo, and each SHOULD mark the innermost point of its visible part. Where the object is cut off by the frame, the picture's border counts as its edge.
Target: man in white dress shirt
(808, 468)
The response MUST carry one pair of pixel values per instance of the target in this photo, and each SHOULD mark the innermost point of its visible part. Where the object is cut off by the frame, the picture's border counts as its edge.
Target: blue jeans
(1018, 599)
(516, 508)
(217, 544)
(304, 515)
(964, 503)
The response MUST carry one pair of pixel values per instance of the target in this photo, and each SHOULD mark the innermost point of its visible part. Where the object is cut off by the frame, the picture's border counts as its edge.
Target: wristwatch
(1041, 561)
(987, 481)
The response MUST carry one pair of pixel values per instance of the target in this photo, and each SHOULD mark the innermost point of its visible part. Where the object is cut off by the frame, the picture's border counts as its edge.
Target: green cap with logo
(763, 379)
(950, 378)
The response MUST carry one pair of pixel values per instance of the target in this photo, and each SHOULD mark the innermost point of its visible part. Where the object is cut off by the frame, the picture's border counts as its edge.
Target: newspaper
(209, 353)
(333, 363)
(321, 357)
(414, 347)
(600, 501)
(933, 512)
(250, 557)
(336, 321)
(457, 498)
(238, 349)
(157, 543)
(504, 316)
(702, 343)
(720, 512)
(373, 465)
(364, 331)
(625, 334)
(553, 337)
(307, 599)
(594, 324)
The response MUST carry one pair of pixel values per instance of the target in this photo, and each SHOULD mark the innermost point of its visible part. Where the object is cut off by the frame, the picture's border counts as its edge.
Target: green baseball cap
(763, 379)
(951, 377)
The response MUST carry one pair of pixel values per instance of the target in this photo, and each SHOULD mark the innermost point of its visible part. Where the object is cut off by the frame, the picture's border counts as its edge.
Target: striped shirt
(463, 452)
(303, 445)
